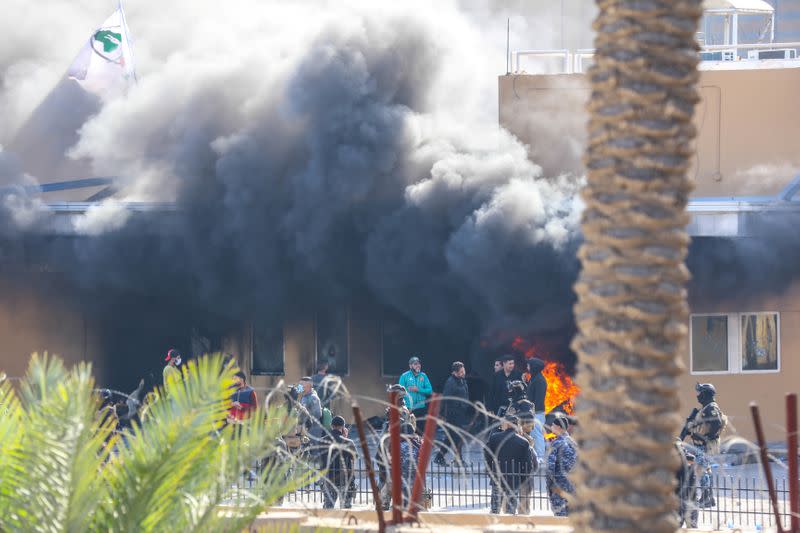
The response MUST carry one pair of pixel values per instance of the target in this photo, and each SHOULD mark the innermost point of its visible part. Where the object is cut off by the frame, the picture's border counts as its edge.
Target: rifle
(689, 419)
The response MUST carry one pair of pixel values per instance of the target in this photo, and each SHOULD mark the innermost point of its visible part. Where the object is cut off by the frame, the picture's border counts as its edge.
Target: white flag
(105, 63)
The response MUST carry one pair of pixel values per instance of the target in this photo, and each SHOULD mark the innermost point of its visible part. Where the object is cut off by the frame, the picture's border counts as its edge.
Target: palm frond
(63, 450)
(64, 468)
(12, 435)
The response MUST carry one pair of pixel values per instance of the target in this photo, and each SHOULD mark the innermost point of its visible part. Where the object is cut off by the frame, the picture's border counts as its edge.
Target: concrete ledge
(280, 520)
(363, 520)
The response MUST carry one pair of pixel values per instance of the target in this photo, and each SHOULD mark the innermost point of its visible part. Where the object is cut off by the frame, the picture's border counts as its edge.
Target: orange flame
(524, 347)
(561, 390)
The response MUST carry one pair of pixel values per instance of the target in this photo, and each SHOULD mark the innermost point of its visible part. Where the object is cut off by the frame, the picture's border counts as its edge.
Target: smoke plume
(313, 152)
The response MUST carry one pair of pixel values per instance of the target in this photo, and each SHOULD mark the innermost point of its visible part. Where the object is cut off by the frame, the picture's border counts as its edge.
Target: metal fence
(740, 501)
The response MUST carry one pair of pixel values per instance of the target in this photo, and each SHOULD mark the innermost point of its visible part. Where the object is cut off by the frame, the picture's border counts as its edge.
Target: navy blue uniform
(560, 462)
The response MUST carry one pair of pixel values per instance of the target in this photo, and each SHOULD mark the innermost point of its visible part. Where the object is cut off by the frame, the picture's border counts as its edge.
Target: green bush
(64, 469)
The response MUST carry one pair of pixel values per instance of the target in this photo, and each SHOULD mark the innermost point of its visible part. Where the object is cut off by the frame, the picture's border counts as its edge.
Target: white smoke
(109, 215)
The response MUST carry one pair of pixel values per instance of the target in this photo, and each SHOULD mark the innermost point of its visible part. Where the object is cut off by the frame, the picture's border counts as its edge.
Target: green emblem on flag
(109, 39)
(106, 43)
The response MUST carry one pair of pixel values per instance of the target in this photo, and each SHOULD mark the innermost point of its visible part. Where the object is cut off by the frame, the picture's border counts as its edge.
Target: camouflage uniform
(705, 429)
(560, 462)
(526, 490)
(383, 456)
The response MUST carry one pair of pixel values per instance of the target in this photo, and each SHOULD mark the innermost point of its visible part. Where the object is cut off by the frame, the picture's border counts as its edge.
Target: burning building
(340, 204)
(316, 195)
(743, 209)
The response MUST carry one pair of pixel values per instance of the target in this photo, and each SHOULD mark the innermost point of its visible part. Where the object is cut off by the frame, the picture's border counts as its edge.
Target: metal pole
(376, 493)
(726, 32)
(794, 482)
(772, 28)
(508, 46)
(762, 448)
(424, 457)
(397, 481)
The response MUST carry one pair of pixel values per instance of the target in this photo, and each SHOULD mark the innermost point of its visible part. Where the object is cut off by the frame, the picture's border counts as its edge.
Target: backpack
(326, 418)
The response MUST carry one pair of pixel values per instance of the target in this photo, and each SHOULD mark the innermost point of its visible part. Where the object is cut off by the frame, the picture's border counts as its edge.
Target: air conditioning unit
(785, 53)
(720, 55)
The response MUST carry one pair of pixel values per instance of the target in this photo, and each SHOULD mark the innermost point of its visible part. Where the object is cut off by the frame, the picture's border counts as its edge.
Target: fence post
(762, 445)
(376, 493)
(424, 457)
(397, 477)
(794, 482)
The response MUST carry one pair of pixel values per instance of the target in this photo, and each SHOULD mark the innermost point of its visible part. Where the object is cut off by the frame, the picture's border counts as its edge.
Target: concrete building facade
(748, 127)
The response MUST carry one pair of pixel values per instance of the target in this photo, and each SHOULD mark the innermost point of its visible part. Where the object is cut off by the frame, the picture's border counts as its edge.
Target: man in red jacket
(243, 400)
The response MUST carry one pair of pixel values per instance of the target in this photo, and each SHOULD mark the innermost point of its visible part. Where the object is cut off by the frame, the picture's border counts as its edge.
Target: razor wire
(470, 482)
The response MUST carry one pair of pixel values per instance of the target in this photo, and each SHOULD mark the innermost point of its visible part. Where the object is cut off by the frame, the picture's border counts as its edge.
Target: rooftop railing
(574, 61)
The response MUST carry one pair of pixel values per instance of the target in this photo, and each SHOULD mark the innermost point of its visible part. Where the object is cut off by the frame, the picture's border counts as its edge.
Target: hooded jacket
(537, 388)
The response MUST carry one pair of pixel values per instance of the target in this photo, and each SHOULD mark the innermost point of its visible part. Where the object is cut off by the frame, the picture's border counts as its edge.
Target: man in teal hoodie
(419, 390)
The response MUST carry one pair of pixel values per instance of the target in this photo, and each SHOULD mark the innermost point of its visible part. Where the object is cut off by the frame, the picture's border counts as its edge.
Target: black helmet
(516, 389)
(705, 387)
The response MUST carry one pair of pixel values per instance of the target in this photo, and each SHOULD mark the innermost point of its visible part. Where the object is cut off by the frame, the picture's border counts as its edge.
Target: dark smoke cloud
(737, 270)
(314, 156)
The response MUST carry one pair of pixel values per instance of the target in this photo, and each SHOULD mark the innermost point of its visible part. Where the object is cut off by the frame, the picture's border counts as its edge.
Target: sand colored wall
(736, 391)
(32, 319)
(748, 126)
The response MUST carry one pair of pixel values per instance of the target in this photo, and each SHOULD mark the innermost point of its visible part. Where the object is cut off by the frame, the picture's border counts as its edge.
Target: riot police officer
(704, 426)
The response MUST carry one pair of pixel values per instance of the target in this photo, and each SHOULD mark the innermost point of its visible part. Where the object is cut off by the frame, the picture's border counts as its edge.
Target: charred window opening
(332, 330)
(268, 349)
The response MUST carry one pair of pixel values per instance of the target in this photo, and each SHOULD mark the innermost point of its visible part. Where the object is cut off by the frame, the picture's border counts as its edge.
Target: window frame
(347, 341)
(730, 368)
(253, 372)
(778, 348)
(735, 348)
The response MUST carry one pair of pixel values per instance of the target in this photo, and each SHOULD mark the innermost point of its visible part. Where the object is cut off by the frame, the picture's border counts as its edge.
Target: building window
(399, 342)
(333, 339)
(759, 334)
(709, 343)
(734, 343)
(268, 357)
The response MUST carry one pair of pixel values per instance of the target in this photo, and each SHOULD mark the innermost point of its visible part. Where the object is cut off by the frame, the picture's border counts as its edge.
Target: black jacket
(500, 396)
(537, 388)
(340, 455)
(510, 455)
(456, 411)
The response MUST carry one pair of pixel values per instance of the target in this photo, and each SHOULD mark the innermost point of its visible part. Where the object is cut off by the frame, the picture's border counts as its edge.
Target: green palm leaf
(63, 468)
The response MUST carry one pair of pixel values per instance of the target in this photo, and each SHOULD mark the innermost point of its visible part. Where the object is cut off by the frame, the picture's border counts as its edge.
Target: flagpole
(128, 41)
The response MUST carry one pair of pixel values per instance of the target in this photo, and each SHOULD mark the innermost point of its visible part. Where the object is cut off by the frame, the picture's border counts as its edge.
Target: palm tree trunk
(631, 310)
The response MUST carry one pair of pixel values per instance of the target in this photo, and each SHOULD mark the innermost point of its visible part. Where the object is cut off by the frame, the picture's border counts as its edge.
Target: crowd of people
(510, 428)
(514, 428)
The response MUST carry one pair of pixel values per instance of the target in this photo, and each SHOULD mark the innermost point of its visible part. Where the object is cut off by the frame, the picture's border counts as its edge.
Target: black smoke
(336, 178)
(762, 262)
(352, 158)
